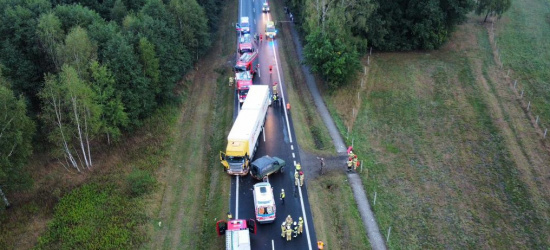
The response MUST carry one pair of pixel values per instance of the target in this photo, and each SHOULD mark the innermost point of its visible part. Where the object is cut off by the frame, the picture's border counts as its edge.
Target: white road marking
(263, 132)
(305, 218)
(292, 147)
(282, 93)
(272, 244)
(293, 156)
(237, 201)
(295, 163)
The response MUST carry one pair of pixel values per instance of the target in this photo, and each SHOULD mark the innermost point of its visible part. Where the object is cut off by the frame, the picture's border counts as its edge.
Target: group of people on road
(291, 227)
(352, 162)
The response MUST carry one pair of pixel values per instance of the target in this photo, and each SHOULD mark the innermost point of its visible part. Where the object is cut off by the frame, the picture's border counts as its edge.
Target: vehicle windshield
(244, 25)
(240, 68)
(235, 159)
(270, 29)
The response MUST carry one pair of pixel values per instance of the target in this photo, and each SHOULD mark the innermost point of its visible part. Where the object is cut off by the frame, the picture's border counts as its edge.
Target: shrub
(140, 182)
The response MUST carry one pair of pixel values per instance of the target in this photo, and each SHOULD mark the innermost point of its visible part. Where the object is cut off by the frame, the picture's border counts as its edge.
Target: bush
(140, 182)
(336, 61)
(94, 217)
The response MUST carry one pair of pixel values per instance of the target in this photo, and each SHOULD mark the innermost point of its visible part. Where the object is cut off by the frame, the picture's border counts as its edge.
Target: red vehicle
(245, 62)
(245, 44)
(244, 81)
(237, 233)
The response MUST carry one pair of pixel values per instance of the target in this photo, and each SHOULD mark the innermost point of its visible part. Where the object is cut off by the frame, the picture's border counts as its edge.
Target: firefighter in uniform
(355, 162)
(301, 178)
(283, 196)
(296, 178)
(288, 233)
(289, 220)
(295, 229)
(283, 229)
(231, 81)
(298, 166)
(350, 162)
(300, 225)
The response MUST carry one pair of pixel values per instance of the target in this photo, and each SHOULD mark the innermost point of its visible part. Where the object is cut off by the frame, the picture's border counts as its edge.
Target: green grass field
(450, 155)
(522, 38)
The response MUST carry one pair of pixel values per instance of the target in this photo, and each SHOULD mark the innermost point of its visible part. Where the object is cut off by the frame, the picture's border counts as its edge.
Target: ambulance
(264, 203)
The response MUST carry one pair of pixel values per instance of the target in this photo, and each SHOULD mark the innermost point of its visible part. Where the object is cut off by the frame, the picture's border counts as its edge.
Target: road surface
(277, 139)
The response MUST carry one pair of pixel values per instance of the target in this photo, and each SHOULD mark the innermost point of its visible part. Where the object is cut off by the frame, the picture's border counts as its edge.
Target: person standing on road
(295, 231)
(322, 160)
(301, 178)
(288, 233)
(289, 220)
(283, 196)
(274, 88)
(283, 229)
(300, 225)
(229, 216)
(350, 162)
(355, 162)
(270, 69)
(296, 178)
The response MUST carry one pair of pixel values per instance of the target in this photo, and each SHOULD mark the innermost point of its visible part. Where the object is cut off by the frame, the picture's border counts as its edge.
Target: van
(245, 25)
(264, 202)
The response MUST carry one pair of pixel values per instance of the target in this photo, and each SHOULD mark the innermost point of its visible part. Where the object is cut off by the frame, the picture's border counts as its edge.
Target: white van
(245, 25)
(264, 202)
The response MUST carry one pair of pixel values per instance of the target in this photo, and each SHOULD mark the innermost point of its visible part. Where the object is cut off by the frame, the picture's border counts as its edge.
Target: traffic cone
(288, 106)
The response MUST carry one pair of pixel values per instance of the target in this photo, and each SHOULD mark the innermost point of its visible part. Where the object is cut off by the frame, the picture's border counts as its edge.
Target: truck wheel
(282, 169)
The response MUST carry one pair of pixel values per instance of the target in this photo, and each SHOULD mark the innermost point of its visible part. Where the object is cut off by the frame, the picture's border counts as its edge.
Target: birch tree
(50, 36)
(16, 131)
(69, 109)
(78, 51)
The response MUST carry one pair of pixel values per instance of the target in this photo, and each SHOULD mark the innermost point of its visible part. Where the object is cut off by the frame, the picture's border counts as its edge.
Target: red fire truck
(244, 81)
(237, 233)
(246, 62)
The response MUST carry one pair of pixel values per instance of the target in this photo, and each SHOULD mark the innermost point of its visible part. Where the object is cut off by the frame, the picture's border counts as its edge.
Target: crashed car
(266, 165)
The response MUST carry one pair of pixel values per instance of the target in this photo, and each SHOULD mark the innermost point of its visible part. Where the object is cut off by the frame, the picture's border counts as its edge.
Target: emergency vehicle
(245, 43)
(270, 30)
(264, 202)
(237, 233)
(245, 62)
(265, 7)
(245, 25)
(244, 81)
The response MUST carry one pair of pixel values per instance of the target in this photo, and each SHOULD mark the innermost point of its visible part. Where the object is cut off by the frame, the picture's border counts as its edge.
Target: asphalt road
(277, 139)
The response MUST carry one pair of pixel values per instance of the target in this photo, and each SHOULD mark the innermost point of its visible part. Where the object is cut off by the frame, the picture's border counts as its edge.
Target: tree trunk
(485, 20)
(4, 198)
(77, 119)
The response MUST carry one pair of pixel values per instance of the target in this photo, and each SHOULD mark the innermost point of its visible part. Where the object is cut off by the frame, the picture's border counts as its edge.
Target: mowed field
(452, 156)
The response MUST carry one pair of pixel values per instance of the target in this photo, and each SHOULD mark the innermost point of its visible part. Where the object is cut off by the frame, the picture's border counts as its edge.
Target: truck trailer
(242, 140)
